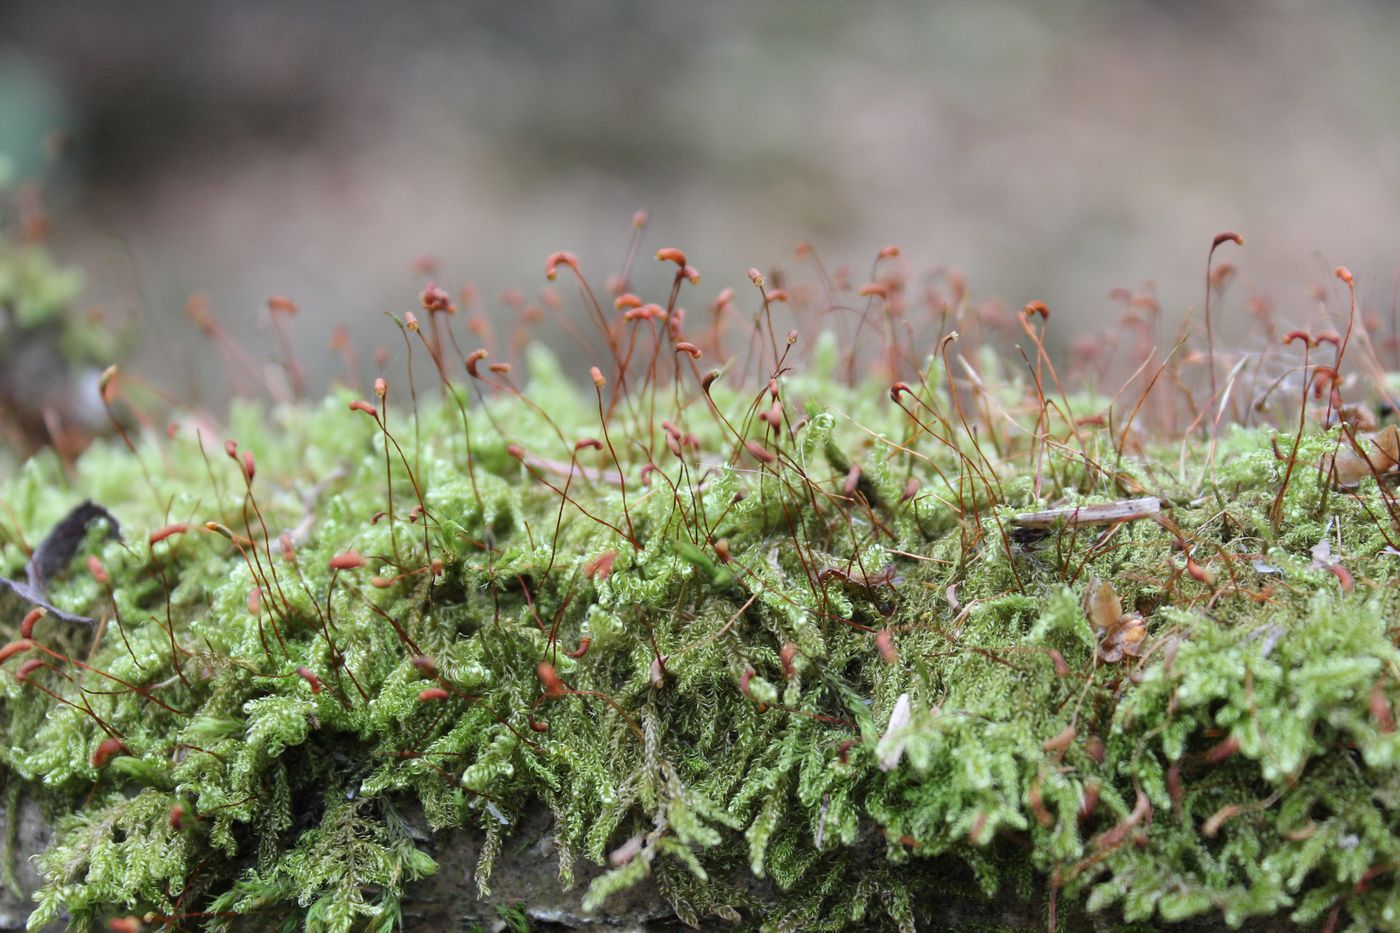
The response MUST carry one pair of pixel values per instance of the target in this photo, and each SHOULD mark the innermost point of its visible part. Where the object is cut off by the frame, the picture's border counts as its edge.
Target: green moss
(728, 717)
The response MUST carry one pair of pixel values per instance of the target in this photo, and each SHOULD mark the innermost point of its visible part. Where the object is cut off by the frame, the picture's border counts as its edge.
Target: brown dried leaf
(1382, 456)
(1120, 634)
(1125, 639)
(1102, 604)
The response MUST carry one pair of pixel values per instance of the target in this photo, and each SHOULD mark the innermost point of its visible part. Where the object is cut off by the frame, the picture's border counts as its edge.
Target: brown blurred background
(1049, 151)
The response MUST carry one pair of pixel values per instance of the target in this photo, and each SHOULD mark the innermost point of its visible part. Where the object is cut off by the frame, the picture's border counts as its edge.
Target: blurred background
(1055, 151)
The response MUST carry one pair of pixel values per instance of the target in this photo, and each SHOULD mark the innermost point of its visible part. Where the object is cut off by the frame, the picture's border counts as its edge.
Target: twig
(1103, 513)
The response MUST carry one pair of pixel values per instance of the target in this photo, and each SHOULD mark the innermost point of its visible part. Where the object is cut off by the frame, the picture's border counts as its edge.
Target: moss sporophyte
(812, 611)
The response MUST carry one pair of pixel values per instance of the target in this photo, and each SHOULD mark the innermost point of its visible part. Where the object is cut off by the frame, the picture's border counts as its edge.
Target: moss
(700, 713)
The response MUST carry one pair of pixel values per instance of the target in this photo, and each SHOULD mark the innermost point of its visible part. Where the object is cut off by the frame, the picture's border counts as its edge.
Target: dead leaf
(1322, 559)
(1382, 451)
(1120, 634)
(891, 745)
(1102, 604)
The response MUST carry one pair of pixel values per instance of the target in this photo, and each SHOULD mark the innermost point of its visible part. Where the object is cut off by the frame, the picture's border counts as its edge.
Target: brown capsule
(852, 481)
(1211, 827)
(600, 567)
(1221, 750)
(432, 694)
(1198, 572)
(759, 452)
(349, 560)
(99, 573)
(1042, 815)
(744, 679)
(786, 654)
(1115, 836)
(1061, 740)
(884, 643)
(425, 665)
(106, 750)
(26, 625)
(435, 300)
(555, 260)
(1175, 790)
(168, 531)
(671, 254)
(305, 674)
(28, 667)
(553, 687)
(1301, 834)
(280, 304)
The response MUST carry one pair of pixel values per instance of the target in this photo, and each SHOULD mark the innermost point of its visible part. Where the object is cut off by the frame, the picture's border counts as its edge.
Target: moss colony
(877, 629)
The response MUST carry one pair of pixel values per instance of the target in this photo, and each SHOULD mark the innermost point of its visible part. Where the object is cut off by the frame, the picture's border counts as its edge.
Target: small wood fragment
(1102, 513)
